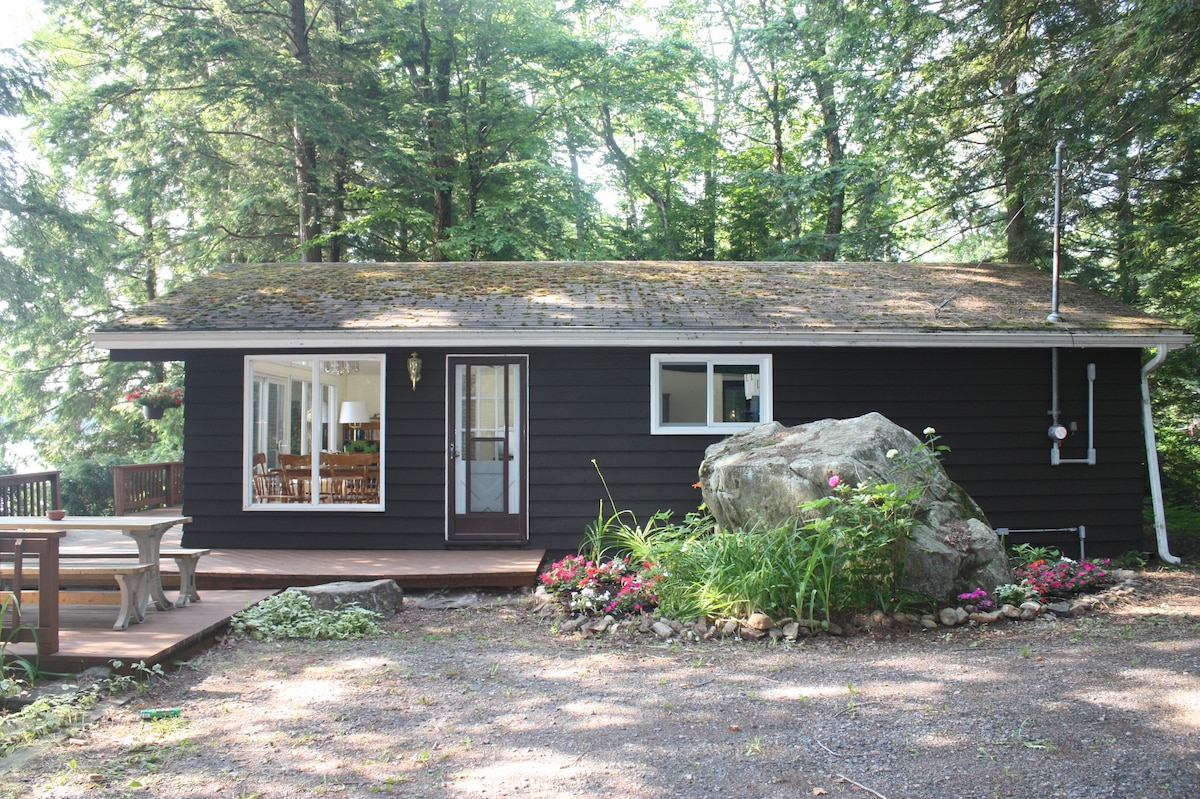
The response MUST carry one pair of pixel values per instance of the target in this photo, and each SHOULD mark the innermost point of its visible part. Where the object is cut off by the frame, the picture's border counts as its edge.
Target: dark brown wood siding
(991, 407)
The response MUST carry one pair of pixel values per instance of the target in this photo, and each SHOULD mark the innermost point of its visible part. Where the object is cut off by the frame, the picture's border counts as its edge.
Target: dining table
(146, 532)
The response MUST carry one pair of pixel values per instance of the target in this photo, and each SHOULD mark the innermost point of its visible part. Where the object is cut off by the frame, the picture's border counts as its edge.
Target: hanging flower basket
(155, 399)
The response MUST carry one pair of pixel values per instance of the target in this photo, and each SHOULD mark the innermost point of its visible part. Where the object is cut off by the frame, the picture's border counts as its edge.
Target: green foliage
(290, 614)
(41, 718)
(16, 673)
(87, 487)
(844, 555)
(1016, 594)
(1024, 554)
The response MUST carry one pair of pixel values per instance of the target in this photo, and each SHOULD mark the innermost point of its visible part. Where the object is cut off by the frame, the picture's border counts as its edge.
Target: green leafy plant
(1015, 594)
(1022, 554)
(290, 614)
(842, 553)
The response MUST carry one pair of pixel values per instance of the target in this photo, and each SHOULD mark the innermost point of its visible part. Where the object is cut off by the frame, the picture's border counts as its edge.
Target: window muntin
(697, 393)
(292, 425)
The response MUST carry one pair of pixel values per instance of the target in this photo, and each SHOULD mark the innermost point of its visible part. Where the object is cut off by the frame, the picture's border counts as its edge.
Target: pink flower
(833, 481)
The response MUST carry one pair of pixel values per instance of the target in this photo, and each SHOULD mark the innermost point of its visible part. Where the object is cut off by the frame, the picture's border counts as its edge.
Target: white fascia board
(526, 338)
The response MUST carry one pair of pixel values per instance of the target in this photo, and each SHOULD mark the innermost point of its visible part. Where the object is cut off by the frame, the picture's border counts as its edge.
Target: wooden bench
(131, 580)
(185, 559)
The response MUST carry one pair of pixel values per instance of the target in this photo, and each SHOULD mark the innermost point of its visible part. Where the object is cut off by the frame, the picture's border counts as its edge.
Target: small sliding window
(705, 394)
(313, 433)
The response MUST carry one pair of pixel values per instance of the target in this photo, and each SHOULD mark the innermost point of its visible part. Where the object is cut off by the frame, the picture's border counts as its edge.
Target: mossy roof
(629, 297)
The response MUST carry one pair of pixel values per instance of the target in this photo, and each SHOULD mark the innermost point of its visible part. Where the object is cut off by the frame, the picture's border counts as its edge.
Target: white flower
(891, 453)
(929, 431)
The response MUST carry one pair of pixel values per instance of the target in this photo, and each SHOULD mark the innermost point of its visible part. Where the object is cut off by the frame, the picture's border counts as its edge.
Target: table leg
(149, 542)
(187, 581)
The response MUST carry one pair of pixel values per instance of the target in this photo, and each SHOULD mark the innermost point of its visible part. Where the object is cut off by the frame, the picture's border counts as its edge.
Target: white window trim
(766, 406)
(314, 434)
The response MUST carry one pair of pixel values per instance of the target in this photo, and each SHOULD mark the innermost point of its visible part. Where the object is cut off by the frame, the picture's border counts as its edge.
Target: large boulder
(761, 477)
(383, 597)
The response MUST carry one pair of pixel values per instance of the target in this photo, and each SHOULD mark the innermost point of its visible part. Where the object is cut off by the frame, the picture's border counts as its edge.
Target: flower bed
(614, 586)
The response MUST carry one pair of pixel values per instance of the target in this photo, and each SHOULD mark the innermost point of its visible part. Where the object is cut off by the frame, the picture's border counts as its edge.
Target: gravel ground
(492, 702)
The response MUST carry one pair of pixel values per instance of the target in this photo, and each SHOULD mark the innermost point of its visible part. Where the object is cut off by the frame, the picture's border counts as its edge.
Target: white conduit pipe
(1156, 494)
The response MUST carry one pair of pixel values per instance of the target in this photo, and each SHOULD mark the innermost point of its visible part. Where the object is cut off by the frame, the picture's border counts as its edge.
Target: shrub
(290, 614)
(87, 488)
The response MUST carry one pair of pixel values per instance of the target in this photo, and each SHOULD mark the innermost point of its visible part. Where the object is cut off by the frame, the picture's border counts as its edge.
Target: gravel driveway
(492, 702)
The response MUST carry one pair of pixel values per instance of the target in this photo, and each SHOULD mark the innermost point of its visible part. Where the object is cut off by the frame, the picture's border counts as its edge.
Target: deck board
(230, 579)
(87, 637)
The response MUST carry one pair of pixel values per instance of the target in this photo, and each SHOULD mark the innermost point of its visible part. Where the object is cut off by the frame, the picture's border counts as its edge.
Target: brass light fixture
(414, 369)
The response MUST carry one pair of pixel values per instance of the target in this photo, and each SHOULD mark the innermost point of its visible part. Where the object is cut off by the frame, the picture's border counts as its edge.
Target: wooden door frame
(510, 528)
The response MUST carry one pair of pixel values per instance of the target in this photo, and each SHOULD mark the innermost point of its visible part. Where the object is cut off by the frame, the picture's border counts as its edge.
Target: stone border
(759, 627)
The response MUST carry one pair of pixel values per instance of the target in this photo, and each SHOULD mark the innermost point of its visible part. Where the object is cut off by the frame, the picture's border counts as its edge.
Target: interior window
(709, 393)
(314, 433)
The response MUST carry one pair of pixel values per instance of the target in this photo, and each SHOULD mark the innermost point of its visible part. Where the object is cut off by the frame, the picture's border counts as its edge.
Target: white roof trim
(255, 340)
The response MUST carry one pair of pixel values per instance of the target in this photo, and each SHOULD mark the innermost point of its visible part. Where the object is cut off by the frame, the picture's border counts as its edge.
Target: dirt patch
(492, 702)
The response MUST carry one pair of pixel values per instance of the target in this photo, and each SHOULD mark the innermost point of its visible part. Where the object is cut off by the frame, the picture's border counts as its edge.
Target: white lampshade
(354, 413)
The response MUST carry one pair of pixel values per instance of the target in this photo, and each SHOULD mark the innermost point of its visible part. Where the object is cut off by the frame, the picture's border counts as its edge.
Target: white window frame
(312, 434)
(766, 409)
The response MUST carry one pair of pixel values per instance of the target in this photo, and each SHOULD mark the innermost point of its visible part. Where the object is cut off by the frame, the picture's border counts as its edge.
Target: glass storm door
(486, 448)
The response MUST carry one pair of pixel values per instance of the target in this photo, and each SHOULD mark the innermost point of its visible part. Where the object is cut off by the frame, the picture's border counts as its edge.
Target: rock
(447, 601)
(929, 622)
(751, 634)
(961, 615)
(1032, 607)
(985, 617)
(760, 621)
(1061, 607)
(791, 631)
(662, 630)
(948, 617)
(383, 597)
(571, 625)
(1010, 611)
(1080, 607)
(758, 478)
(598, 625)
(729, 628)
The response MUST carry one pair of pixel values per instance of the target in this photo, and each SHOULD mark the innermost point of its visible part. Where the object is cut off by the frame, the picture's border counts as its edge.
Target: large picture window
(314, 433)
(709, 393)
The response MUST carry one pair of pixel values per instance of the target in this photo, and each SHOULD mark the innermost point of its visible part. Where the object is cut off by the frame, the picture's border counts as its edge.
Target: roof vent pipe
(1055, 316)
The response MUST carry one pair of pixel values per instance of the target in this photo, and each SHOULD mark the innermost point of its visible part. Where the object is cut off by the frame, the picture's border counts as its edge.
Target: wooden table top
(91, 522)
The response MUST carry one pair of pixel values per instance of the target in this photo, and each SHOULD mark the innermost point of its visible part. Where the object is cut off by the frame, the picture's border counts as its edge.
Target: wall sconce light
(414, 369)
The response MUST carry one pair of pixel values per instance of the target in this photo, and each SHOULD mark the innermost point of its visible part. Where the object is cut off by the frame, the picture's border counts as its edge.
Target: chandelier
(340, 367)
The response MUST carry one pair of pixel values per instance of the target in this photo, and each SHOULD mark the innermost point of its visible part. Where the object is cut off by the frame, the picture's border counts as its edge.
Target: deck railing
(29, 494)
(138, 486)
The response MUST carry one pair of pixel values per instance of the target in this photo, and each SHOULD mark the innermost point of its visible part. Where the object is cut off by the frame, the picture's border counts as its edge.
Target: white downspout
(1156, 494)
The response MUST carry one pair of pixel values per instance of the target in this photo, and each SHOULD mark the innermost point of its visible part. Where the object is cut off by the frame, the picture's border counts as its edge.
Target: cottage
(502, 404)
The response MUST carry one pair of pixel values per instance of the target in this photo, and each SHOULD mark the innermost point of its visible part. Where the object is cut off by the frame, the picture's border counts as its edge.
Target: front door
(486, 450)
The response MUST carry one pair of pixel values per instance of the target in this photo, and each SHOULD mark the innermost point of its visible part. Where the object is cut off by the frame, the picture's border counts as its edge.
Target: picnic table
(146, 531)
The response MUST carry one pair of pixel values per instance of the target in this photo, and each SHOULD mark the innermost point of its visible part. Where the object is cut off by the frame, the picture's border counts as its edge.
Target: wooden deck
(230, 579)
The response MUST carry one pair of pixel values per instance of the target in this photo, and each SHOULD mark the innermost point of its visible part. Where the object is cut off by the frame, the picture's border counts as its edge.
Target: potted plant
(155, 399)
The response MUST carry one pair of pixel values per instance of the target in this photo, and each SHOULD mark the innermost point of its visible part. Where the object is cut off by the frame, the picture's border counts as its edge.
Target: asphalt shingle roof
(631, 296)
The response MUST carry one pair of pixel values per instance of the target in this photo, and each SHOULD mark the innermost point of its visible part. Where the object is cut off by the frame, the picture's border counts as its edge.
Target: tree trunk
(836, 198)
(630, 170)
(1017, 236)
(304, 149)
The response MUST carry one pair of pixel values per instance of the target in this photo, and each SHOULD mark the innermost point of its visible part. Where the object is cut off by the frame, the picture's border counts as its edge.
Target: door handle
(453, 451)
